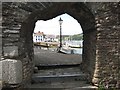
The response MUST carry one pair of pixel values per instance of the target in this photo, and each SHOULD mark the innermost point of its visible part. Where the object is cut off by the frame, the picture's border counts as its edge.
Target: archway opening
(46, 39)
(82, 14)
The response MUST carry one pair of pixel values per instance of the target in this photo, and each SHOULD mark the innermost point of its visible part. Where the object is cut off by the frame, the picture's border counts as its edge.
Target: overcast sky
(70, 26)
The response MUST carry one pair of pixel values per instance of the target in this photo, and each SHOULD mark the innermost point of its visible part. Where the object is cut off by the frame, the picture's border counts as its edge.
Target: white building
(41, 37)
(38, 37)
(50, 38)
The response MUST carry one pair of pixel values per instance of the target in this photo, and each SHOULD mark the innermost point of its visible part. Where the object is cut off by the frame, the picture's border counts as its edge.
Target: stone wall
(15, 45)
(13, 16)
(107, 53)
(73, 9)
(89, 53)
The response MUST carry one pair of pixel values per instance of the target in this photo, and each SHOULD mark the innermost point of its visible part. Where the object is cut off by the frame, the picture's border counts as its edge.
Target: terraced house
(38, 37)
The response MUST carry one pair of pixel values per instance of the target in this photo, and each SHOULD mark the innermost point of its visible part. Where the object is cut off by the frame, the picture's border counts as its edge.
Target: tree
(77, 37)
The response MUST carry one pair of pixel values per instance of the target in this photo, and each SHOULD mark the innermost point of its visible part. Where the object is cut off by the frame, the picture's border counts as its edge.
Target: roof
(39, 33)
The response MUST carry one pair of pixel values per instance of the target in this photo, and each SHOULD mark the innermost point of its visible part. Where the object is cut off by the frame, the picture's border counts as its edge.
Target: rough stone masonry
(100, 22)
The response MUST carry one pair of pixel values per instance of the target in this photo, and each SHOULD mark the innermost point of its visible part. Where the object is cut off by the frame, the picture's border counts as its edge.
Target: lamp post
(60, 22)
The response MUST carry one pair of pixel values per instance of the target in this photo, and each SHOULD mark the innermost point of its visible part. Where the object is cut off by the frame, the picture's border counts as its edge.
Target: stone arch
(81, 13)
(107, 23)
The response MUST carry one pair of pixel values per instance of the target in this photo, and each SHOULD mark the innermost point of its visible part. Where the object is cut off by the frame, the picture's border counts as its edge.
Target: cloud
(70, 26)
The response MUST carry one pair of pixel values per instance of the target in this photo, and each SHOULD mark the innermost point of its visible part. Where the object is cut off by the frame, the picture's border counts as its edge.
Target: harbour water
(77, 50)
(75, 43)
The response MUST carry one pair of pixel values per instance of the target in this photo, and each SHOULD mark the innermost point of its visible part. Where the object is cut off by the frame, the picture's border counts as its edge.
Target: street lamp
(60, 22)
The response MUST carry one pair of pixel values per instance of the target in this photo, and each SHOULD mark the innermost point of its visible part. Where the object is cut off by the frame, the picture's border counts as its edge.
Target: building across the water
(38, 37)
(41, 37)
(50, 38)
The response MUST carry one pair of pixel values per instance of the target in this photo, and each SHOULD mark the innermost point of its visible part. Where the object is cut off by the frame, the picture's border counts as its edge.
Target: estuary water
(77, 50)
(75, 43)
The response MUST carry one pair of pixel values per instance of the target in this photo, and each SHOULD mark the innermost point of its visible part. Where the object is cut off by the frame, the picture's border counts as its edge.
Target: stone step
(58, 70)
(64, 85)
(45, 66)
(36, 78)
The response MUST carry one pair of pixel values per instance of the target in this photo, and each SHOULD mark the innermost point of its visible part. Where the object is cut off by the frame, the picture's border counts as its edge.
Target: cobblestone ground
(68, 85)
(53, 80)
(49, 57)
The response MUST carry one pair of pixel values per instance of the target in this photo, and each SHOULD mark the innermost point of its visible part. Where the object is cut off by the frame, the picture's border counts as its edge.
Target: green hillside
(73, 37)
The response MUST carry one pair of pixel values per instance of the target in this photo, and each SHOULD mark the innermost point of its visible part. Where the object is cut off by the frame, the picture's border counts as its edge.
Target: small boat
(66, 50)
(75, 46)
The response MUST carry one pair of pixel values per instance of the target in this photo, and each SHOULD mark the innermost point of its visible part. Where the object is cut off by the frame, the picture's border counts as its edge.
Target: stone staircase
(64, 77)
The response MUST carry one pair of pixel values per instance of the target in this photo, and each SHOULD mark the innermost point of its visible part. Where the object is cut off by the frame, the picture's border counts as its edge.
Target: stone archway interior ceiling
(77, 10)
